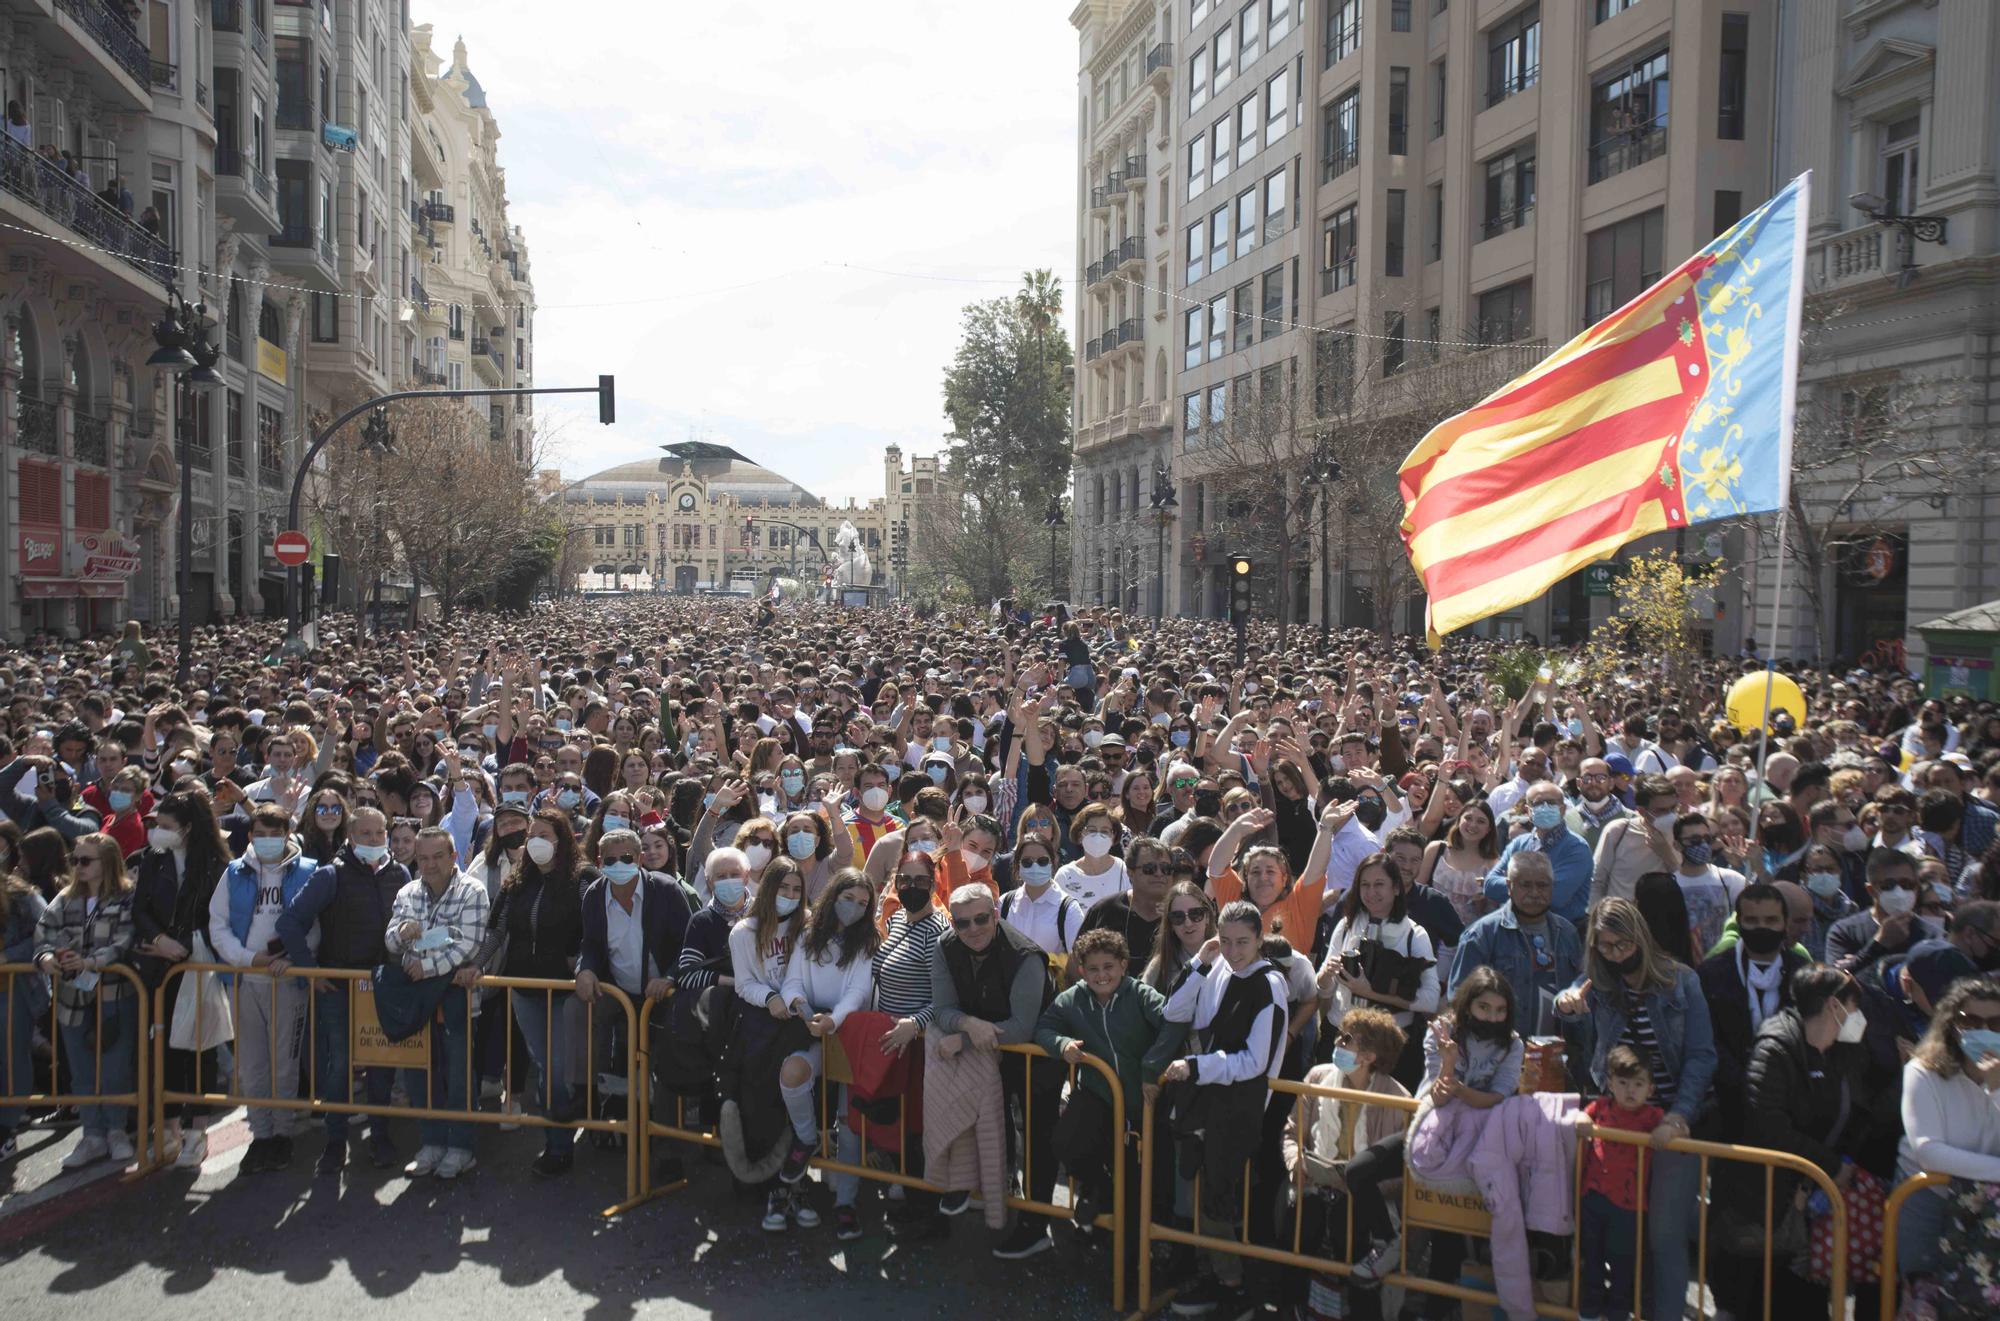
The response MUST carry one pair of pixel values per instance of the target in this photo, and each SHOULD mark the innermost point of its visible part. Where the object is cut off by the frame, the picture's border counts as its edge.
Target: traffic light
(1239, 591)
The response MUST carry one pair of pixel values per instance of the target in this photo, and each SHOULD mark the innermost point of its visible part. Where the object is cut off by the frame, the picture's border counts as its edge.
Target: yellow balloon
(1745, 706)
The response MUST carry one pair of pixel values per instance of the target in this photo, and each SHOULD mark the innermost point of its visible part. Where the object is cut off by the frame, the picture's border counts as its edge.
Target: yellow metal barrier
(348, 981)
(138, 1098)
(1772, 1161)
(833, 1070)
(1891, 1210)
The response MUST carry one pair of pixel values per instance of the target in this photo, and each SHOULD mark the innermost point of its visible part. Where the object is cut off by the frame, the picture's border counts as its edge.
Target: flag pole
(1770, 663)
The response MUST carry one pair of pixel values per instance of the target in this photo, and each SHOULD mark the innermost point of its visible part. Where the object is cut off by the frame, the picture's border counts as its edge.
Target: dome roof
(724, 471)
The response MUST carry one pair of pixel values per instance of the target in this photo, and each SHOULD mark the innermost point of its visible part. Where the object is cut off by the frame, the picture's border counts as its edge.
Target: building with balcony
(1127, 209)
(475, 323)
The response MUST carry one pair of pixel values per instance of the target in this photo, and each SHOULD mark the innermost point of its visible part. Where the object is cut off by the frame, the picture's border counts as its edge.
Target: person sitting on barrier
(176, 880)
(436, 930)
(830, 974)
(1187, 924)
(1348, 1150)
(1613, 1188)
(1636, 995)
(989, 985)
(23, 996)
(1951, 1118)
(1121, 1021)
(86, 930)
(633, 926)
(1379, 955)
(704, 958)
(270, 1009)
(337, 921)
(1235, 1002)
(756, 1124)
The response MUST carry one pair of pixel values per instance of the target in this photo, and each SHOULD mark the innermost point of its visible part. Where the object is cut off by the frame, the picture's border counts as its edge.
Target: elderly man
(1595, 805)
(1533, 769)
(1569, 857)
(436, 928)
(989, 985)
(1538, 952)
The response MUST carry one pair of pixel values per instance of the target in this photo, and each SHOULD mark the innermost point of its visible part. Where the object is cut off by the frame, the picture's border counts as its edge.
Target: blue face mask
(1699, 854)
(801, 844)
(1180, 738)
(371, 853)
(491, 731)
(569, 798)
(729, 893)
(849, 911)
(119, 800)
(786, 905)
(1979, 1044)
(514, 796)
(793, 781)
(1345, 1060)
(1037, 873)
(1546, 816)
(267, 849)
(1575, 728)
(618, 873)
(612, 821)
(707, 802)
(936, 774)
(562, 726)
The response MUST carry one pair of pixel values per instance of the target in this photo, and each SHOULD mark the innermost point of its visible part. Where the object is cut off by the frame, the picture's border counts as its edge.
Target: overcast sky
(701, 187)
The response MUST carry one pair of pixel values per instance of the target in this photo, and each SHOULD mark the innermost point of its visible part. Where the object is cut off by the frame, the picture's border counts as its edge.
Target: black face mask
(513, 840)
(1206, 803)
(1371, 813)
(1762, 941)
(1626, 966)
(1481, 1030)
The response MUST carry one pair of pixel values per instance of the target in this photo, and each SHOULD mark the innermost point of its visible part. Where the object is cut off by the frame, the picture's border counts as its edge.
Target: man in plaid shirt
(437, 925)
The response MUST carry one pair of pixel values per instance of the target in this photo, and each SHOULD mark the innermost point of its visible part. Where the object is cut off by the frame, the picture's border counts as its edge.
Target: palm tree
(1039, 306)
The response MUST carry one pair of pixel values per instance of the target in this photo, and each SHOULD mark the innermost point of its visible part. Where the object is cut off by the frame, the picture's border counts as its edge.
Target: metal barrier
(377, 1052)
(1891, 1210)
(832, 1070)
(1772, 1161)
(138, 1098)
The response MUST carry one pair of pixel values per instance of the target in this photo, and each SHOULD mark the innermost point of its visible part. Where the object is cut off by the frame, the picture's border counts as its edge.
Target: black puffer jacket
(1795, 1098)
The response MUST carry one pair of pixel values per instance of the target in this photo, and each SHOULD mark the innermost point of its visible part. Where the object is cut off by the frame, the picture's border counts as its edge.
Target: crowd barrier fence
(1892, 1210)
(137, 1098)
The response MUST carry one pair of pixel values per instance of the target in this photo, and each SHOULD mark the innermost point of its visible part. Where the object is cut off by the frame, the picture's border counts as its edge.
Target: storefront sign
(37, 549)
(104, 556)
(58, 589)
(270, 361)
(1599, 579)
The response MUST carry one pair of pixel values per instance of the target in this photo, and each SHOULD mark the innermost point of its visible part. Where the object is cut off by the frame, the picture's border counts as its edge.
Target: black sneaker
(1198, 1299)
(846, 1224)
(922, 1229)
(904, 1210)
(1024, 1240)
(1232, 1304)
(257, 1157)
(1085, 1213)
(796, 1159)
(954, 1203)
(332, 1160)
(382, 1152)
(552, 1163)
(281, 1153)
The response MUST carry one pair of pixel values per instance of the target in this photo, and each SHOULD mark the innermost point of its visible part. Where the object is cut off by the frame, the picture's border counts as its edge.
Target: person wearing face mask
(243, 929)
(870, 819)
(1641, 843)
(757, 1127)
(1805, 1093)
(1595, 805)
(1890, 924)
(123, 801)
(1821, 876)
(1037, 908)
(1709, 891)
(818, 849)
(1569, 857)
(792, 782)
(337, 921)
(1099, 873)
(499, 860)
(1951, 1121)
(1745, 985)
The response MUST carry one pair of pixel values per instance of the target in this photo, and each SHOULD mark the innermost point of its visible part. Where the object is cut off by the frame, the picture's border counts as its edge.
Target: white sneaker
(8, 1146)
(426, 1162)
(775, 1218)
(456, 1161)
(120, 1146)
(802, 1213)
(88, 1151)
(489, 1089)
(194, 1149)
(512, 1107)
(1380, 1262)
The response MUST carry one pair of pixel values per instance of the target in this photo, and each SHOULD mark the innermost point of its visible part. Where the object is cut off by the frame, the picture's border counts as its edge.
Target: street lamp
(1321, 477)
(1164, 505)
(1054, 523)
(185, 350)
(379, 438)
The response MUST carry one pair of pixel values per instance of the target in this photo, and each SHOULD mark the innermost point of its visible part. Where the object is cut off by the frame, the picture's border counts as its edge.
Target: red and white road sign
(292, 549)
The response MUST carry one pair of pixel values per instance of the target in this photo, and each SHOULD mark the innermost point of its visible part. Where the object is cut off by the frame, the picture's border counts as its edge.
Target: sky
(766, 219)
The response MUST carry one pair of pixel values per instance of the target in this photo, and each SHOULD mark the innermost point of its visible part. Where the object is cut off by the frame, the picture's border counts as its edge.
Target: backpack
(1068, 913)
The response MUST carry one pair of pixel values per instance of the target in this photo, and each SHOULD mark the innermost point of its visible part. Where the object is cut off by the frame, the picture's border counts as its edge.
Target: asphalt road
(497, 1242)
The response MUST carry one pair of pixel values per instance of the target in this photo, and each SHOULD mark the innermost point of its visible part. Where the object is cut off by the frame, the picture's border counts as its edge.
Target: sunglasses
(1036, 862)
(327, 809)
(619, 857)
(967, 923)
(1151, 869)
(1974, 1023)
(912, 878)
(1187, 917)
(1182, 784)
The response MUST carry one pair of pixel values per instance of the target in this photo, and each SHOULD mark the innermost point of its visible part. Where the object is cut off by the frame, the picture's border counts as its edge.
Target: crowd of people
(924, 839)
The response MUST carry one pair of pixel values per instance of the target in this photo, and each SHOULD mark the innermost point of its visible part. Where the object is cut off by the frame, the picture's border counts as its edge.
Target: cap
(519, 809)
(1619, 763)
(1934, 965)
(1110, 740)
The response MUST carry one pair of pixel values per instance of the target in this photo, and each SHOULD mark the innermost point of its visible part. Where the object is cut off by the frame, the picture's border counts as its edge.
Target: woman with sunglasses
(83, 932)
(1036, 907)
(1951, 1124)
(323, 831)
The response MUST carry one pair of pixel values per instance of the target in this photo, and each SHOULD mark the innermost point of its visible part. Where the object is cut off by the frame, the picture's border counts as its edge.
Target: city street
(497, 1242)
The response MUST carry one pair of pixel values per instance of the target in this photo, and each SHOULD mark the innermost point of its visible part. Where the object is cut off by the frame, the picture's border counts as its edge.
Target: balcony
(35, 427)
(1340, 275)
(418, 294)
(270, 475)
(1343, 43)
(243, 192)
(1502, 221)
(1132, 249)
(423, 375)
(1131, 334)
(1853, 257)
(1093, 273)
(301, 250)
(1092, 350)
(1100, 198)
(1160, 62)
(456, 332)
(1135, 171)
(443, 213)
(1627, 148)
(107, 28)
(165, 77)
(1338, 162)
(1512, 84)
(295, 114)
(45, 186)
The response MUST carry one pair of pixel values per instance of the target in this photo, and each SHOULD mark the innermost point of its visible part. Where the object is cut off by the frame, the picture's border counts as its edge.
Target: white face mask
(875, 798)
(1096, 844)
(1666, 821)
(541, 851)
(758, 855)
(1854, 840)
(1896, 901)
(975, 802)
(1852, 1028)
(974, 861)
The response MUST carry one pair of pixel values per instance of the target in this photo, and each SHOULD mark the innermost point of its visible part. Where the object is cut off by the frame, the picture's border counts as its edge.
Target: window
(1392, 224)
(1399, 15)
(1278, 18)
(1224, 49)
(1218, 407)
(1273, 305)
(325, 319)
(1433, 332)
(1733, 77)
(1620, 262)
(1275, 207)
(1510, 191)
(1506, 314)
(1728, 208)
(1197, 11)
(165, 202)
(1246, 130)
(1336, 251)
(1277, 107)
(1392, 343)
(232, 437)
(294, 92)
(1197, 165)
(1243, 333)
(1218, 238)
(1434, 208)
(1399, 111)
(1437, 100)
(1190, 423)
(1612, 8)
(1222, 144)
(1250, 32)
(1218, 326)
(295, 220)
(1198, 80)
(1343, 30)
(1197, 251)
(270, 442)
(1342, 135)
(1513, 55)
(1333, 372)
(1900, 178)
(1628, 117)
(1246, 221)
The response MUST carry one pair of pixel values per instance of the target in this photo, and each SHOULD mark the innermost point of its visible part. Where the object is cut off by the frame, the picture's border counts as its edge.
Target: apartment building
(471, 290)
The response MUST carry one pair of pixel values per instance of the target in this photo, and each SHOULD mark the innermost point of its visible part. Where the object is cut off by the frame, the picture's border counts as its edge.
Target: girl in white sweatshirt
(1951, 1114)
(830, 975)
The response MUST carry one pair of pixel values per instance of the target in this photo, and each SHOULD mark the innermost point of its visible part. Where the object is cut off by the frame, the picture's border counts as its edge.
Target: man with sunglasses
(1537, 951)
(1135, 913)
(1890, 924)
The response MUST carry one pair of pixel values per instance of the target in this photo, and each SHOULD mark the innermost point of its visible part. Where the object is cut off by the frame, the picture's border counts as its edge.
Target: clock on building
(687, 500)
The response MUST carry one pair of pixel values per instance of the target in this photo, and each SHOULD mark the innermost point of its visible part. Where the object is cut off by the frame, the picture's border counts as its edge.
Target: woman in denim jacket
(1635, 994)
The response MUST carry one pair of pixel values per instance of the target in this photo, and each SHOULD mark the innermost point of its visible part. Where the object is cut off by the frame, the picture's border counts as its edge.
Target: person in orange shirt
(1289, 908)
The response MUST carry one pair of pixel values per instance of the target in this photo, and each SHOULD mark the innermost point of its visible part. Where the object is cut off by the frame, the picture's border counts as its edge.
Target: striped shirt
(903, 965)
(1641, 1037)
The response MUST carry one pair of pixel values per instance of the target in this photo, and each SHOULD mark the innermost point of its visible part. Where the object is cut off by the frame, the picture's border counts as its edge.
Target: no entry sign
(292, 549)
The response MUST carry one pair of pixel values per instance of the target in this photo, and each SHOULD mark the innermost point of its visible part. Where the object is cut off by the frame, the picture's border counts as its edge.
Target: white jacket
(821, 985)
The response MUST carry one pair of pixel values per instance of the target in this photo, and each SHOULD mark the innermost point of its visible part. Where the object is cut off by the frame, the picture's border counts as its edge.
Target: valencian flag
(1674, 410)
